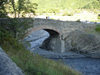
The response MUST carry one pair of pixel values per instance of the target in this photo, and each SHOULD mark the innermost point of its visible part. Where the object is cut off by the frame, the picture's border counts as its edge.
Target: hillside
(57, 5)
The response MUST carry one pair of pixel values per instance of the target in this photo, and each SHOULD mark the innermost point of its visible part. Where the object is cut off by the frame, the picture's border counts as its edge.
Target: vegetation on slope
(21, 7)
(95, 4)
(56, 6)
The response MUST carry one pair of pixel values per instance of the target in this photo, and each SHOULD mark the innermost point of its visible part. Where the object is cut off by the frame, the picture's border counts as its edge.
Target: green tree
(3, 12)
(25, 6)
(16, 27)
(18, 7)
(13, 5)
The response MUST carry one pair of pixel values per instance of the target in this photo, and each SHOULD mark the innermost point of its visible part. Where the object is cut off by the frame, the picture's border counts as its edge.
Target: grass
(33, 64)
(97, 28)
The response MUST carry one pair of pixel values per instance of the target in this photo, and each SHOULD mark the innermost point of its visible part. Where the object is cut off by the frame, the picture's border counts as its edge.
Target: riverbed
(88, 66)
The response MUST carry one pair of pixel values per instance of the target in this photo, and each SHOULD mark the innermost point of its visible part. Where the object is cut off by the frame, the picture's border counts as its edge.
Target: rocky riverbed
(88, 66)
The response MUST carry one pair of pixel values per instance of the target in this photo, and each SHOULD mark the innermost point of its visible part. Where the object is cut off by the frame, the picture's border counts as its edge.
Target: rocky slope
(7, 66)
(84, 43)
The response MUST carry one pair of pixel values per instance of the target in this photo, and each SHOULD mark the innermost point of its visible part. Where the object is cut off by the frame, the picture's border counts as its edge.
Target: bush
(97, 28)
(17, 27)
(68, 12)
(98, 16)
(78, 20)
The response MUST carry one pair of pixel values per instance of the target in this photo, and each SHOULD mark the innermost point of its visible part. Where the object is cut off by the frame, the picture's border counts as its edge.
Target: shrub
(98, 16)
(68, 12)
(97, 28)
(78, 20)
(17, 27)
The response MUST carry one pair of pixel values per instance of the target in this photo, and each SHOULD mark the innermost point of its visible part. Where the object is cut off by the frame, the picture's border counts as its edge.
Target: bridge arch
(53, 42)
(51, 30)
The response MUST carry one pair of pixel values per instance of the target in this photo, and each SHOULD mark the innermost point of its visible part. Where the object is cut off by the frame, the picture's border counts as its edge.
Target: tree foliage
(3, 12)
(18, 7)
(16, 27)
(25, 6)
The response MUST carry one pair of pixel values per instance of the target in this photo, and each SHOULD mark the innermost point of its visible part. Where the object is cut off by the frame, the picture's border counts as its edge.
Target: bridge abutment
(54, 43)
(62, 44)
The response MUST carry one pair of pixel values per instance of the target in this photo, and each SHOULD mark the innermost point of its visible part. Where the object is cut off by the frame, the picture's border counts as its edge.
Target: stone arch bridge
(57, 29)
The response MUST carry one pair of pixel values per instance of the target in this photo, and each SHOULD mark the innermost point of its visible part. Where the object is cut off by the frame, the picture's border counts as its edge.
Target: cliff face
(7, 66)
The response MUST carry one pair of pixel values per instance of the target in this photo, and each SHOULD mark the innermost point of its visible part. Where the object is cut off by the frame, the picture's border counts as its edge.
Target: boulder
(53, 43)
(7, 66)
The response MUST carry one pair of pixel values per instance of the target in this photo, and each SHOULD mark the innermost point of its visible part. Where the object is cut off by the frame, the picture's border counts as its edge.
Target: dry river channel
(87, 66)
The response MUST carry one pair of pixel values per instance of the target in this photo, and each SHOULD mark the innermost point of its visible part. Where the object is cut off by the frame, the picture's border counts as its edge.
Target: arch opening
(52, 32)
(45, 38)
(52, 43)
